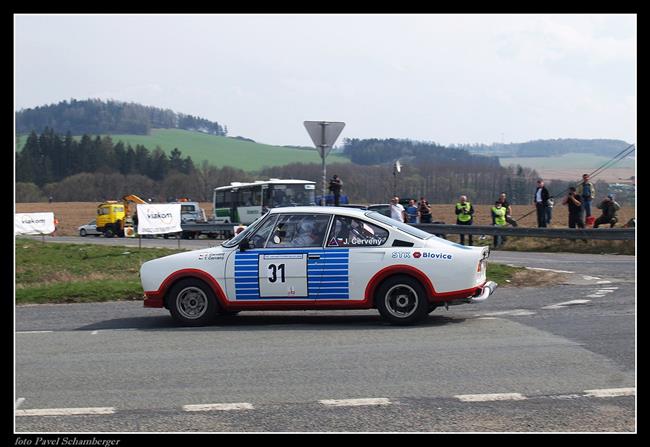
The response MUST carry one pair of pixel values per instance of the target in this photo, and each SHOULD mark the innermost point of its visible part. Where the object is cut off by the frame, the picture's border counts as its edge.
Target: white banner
(159, 218)
(34, 223)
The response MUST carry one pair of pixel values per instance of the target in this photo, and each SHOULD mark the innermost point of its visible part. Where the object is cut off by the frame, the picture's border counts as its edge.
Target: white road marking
(34, 332)
(65, 411)
(596, 295)
(355, 402)
(514, 313)
(549, 270)
(611, 392)
(219, 407)
(603, 282)
(489, 397)
(19, 402)
(589, 278)
(604, 291)
(94, 332)
(567, 303)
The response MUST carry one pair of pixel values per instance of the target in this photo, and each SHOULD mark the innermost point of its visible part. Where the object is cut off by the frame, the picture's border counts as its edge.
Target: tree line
(97, 169)
(51, 157)
(95, 116)
(374, 151)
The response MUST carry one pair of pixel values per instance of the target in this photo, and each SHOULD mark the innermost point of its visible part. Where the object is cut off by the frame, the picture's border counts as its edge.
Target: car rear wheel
(402, 300)
(82, 233)
(192, 303)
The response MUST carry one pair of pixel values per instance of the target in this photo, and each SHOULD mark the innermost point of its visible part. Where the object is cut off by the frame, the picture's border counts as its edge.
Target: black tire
(82, 233)
(192, 303)
(402, 300)
(108, 232)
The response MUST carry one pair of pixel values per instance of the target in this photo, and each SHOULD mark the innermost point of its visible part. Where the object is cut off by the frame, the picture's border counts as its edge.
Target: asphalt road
(556, 358)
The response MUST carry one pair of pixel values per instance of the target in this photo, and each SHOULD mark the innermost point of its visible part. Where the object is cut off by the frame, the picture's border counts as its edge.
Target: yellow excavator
(115, 218)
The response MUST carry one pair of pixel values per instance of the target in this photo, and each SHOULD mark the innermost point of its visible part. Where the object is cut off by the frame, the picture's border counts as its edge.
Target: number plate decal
(283, 275)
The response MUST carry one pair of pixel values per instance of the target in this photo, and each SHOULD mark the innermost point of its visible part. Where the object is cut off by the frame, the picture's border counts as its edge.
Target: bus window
(292, 195)
(223, 199)
(250, 197)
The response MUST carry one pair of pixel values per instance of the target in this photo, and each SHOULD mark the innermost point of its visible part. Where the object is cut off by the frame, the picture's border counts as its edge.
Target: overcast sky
(443, 78)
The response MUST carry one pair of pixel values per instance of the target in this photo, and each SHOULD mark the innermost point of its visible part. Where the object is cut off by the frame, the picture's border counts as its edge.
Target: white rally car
(319, 258)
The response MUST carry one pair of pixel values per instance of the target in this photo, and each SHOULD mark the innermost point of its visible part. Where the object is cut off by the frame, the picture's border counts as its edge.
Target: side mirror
(245, 245)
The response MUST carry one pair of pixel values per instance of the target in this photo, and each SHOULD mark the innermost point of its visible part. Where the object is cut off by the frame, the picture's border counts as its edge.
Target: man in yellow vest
(499, 217)
(464, 212)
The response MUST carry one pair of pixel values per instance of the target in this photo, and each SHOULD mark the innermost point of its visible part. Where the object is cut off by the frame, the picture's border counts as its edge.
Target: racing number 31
(274, 272)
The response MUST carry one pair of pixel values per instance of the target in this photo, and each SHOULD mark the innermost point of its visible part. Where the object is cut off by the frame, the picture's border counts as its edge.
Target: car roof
(344, 211)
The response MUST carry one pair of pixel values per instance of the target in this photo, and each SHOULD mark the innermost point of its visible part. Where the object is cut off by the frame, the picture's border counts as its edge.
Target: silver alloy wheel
(192, 303)
(401, 301)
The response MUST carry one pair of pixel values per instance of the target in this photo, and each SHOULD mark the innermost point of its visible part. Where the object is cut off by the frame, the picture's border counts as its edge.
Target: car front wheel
(82, 233)
(192, 302)
(402, 300)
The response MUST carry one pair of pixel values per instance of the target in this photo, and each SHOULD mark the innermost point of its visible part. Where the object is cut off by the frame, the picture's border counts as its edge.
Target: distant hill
(94, 116)
(548, 148)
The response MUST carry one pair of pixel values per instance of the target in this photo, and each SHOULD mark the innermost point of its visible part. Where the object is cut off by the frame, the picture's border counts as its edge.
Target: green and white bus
(245, 202)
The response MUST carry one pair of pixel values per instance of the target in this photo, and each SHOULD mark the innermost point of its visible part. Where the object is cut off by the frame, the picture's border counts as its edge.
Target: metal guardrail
(606, 233)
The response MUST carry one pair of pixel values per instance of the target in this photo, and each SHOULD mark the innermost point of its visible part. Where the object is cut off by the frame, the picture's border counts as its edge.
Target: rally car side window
(351, 232)
(299, 230)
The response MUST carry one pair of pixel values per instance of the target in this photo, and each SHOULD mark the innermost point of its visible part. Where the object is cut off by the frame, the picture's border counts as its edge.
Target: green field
(570, 160)
(221, 151)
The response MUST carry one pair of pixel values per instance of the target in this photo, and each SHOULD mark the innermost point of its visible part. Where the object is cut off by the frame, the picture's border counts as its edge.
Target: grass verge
(549, 245)
(69, 273)
(74, 273)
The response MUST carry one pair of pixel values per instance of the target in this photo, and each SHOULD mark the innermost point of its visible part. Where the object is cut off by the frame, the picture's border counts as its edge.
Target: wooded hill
(94, 116)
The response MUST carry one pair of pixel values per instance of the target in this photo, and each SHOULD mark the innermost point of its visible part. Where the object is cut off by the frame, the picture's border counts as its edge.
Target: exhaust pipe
(488, 289)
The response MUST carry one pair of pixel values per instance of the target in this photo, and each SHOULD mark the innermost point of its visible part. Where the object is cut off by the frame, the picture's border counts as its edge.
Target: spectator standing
(508, 207)
(424, 210)
(412, 212)
(335, 187)
(464, 216)
(574, 202)
(396, 210)
(499, 219)
(587, 192)
(541, 202)
(610, 209)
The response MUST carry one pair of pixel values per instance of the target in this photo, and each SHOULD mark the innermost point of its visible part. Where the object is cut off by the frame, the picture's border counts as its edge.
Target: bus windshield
(290, 195)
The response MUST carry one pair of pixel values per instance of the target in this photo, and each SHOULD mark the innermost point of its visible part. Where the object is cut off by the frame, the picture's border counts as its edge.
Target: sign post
(324, 134)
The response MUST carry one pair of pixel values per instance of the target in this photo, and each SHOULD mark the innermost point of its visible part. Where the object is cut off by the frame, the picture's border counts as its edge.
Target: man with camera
(335, 187)
(574, 202)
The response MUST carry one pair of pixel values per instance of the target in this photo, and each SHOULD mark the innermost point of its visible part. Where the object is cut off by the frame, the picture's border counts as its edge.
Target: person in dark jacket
(610, 208)
(541, 202)
(574, 202)
(335, 187)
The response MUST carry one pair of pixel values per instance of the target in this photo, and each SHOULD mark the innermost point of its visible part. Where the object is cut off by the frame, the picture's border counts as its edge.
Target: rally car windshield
(406, 228)
(238, 238)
